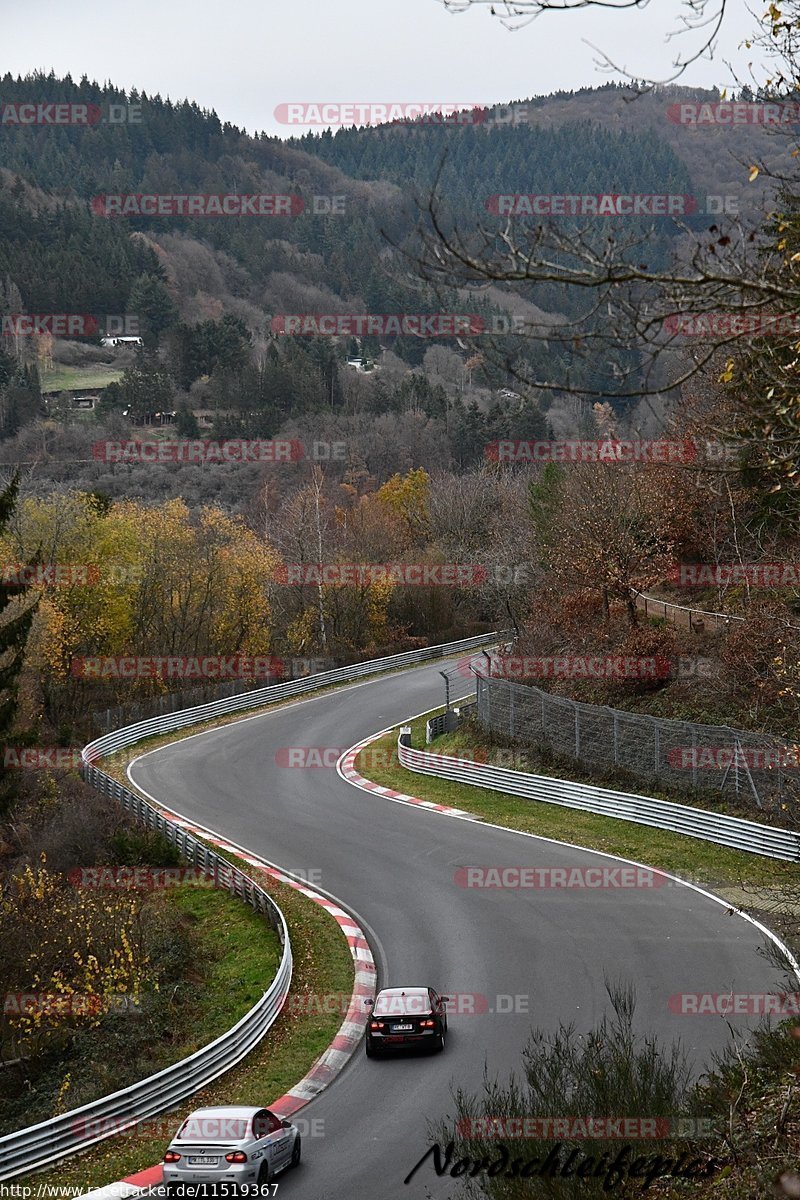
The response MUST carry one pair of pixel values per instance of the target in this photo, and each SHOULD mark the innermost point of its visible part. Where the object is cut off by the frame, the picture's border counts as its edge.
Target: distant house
(83, 401)
(121, 341)
(507, 394)
(153, 418)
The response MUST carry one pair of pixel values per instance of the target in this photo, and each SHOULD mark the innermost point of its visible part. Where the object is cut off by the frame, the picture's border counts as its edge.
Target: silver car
(232, 1148)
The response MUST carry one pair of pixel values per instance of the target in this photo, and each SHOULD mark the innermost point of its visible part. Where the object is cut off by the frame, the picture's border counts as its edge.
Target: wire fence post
(648, 746)
(656, 748)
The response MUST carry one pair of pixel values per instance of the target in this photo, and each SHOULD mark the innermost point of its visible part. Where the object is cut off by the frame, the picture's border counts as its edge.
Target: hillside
(210, 293)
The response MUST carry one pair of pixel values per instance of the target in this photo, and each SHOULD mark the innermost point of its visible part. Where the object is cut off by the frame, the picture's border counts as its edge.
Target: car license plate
(203, 1162)
(402, 1028)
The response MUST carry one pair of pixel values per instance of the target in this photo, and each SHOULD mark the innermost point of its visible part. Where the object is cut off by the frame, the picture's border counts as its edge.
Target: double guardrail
(709, 826)
(38, 1145)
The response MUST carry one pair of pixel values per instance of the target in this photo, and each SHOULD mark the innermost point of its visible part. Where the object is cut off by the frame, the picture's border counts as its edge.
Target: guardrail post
(405, 736)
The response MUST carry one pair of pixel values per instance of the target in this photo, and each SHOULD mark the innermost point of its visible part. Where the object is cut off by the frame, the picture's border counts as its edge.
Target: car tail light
(171, 1156)
(238, 1156)
(426, 1024)
(376, 1024)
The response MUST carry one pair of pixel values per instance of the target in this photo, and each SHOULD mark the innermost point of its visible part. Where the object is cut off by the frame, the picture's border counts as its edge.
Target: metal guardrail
(446, 722)
(38, 1145)
(643, 810)
(35, 1147)
(168, 722)
(696, 619)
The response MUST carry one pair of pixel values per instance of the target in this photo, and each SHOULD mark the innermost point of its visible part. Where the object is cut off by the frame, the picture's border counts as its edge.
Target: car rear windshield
(213, 1129)
(413, 1004)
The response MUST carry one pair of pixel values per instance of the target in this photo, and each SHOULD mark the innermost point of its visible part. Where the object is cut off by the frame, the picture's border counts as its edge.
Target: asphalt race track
(394, 865)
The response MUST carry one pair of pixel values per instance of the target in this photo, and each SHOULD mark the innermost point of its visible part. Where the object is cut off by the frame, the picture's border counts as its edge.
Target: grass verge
(221, 956)
(322, 964)
(756, 884)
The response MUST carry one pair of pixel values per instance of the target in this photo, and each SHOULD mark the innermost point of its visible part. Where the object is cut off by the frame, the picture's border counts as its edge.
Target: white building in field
(121, 341)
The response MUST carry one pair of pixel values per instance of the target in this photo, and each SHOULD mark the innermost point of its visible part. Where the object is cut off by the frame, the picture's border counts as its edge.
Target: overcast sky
(244, 58)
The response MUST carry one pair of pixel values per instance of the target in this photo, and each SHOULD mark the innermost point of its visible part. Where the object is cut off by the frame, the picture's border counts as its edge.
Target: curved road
(394, 866)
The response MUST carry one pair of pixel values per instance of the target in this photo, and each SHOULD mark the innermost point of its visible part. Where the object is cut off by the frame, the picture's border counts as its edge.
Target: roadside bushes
(82, 968)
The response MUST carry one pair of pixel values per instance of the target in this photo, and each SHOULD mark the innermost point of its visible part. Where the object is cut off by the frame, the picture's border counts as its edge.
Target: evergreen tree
(152, 304)
(186, 425)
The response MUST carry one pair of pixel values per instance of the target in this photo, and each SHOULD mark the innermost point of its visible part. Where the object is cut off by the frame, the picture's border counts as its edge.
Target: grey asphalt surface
(393, 865)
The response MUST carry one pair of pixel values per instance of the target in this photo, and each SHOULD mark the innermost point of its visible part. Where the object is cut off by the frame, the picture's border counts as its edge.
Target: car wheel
(440, 1041)
(263, 1175)
(370, 1049)
(296, 1152)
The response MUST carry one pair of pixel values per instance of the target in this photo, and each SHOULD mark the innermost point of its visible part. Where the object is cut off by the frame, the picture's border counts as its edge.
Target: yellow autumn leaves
(163, 580)
(71, 953)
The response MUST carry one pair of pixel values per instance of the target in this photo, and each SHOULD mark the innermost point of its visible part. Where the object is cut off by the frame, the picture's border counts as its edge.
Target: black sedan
(410, 1016)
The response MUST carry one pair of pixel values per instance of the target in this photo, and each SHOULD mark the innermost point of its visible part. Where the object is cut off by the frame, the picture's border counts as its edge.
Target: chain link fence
(679, 754)
(698, 620)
